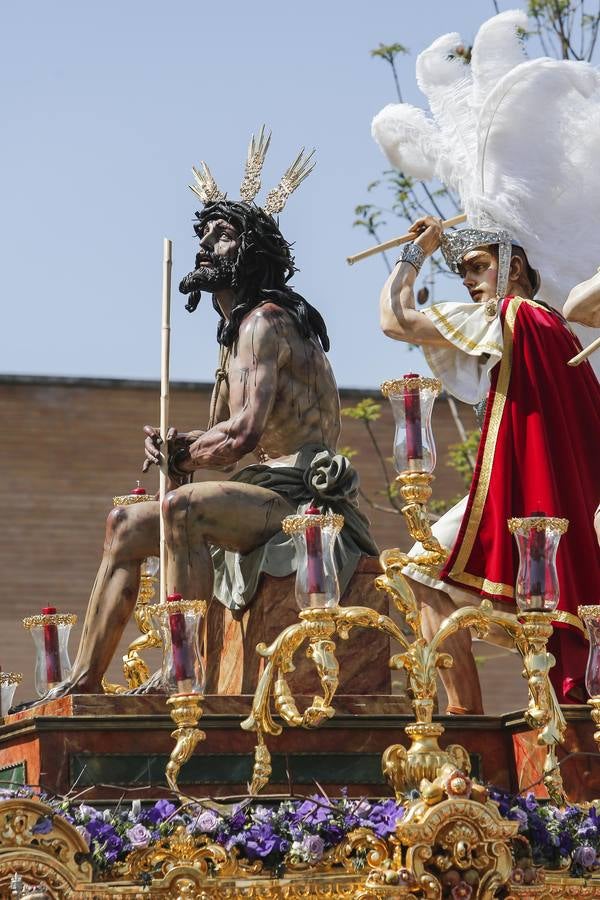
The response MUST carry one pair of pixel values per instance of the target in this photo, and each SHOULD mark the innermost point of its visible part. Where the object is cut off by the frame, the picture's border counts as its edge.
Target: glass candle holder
(412, 398)
(8, 686)
(314, 535)
(590, 616)
(50, 632)
(537, 538)
(180, 622)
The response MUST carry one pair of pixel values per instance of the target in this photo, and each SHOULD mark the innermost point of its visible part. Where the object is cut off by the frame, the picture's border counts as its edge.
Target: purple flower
(161, 810)
(89, 812)
(312, 848)
(262, 814)
(139, 836)
(585, 856)
(42, 826)
(521, 817)
(588, 830)
(531, 803)
(206, 822)
(112, 848)
(383, 817)
(313, 811)
(100, 831)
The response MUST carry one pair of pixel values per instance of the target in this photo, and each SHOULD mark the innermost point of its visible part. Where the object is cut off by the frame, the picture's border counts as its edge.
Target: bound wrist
(176, 464)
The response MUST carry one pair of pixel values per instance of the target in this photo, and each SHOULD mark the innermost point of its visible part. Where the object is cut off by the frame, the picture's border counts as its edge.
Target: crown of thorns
(206, 188)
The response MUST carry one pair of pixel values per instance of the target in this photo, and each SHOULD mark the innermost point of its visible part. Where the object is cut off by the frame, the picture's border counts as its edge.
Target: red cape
(539, 451)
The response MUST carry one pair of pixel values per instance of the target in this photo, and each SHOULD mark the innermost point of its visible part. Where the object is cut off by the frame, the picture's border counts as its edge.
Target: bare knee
(124, 533)
(178, 505)
(117, 524)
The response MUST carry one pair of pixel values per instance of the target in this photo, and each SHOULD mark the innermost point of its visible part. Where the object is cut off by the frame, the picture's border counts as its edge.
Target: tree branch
(392, 511)
(382, 462)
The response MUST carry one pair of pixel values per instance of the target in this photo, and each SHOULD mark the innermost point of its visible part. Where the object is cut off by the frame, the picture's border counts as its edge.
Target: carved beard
(215, 275)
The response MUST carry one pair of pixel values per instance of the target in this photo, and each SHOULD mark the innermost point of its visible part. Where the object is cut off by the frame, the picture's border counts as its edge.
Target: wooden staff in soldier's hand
(587, 351)
(396, 242)
(164, 406)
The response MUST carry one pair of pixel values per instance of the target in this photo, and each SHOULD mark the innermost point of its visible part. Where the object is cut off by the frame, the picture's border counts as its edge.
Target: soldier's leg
(230, 514)
(461, 682)
(132, 534)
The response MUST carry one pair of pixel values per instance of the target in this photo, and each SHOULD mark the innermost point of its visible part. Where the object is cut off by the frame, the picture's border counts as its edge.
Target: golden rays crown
(205, 187)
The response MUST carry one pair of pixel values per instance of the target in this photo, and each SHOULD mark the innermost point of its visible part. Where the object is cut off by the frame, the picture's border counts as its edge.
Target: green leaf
(366, 410)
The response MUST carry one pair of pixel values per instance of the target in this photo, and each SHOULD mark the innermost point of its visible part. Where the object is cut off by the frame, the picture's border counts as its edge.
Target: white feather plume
(519, 141)
(447, 83)
(408, 138)
(497, 48)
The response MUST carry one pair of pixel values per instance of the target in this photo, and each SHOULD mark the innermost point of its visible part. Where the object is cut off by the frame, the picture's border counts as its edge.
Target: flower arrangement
(557, 838)
(291, 831)
(302, 831)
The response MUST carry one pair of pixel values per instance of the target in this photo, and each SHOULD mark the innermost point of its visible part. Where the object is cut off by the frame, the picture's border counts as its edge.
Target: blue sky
(107, 105)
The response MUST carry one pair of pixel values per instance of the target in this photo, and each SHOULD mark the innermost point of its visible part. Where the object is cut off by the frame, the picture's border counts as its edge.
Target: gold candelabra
(185, 710)
(422, 762)
(183, 675)
(424, 759)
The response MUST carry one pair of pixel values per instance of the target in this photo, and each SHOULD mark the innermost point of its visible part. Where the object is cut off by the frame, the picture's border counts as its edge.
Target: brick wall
(69, 445)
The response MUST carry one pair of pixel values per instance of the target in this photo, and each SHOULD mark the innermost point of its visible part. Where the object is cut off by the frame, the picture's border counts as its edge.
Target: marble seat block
(233, 666)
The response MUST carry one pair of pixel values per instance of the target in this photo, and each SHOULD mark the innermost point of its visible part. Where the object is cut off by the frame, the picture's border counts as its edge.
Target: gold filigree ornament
(49, 619)
(186, 711)
(398, 386)
(453, 833)
(299, 523)
(538, 523)
(56, 860)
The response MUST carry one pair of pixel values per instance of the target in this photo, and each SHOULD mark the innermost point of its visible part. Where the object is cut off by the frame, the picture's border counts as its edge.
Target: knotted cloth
(319, 477)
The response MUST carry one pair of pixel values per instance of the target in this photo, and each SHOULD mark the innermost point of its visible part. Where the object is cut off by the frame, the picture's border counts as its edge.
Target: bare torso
(279, 395)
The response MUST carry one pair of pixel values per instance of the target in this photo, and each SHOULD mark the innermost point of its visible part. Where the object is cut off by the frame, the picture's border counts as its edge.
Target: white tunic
(464, 370)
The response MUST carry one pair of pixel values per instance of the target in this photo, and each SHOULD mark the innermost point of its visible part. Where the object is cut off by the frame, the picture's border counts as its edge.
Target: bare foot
(60, 690)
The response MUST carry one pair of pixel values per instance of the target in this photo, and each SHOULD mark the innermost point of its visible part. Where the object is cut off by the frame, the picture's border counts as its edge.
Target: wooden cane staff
(396, 242)
(164, 406)
(577, 360)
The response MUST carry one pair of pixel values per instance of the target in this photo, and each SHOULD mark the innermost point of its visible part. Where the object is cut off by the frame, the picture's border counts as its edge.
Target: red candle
(314, 558)
(537, 565)
(139, 490)
(51, 648)
(412, 416)
(182, 661)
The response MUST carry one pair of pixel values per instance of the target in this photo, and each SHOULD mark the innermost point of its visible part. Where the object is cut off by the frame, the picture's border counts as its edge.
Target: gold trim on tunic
(458, 573)
(462, 338)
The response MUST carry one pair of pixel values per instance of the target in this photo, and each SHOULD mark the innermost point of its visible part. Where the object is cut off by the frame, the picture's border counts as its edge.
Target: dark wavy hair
(263, 267)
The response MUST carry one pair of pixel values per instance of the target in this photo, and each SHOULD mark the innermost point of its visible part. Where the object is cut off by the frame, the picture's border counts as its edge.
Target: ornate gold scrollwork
(136, 671)
(185, 711)
(56, 859)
